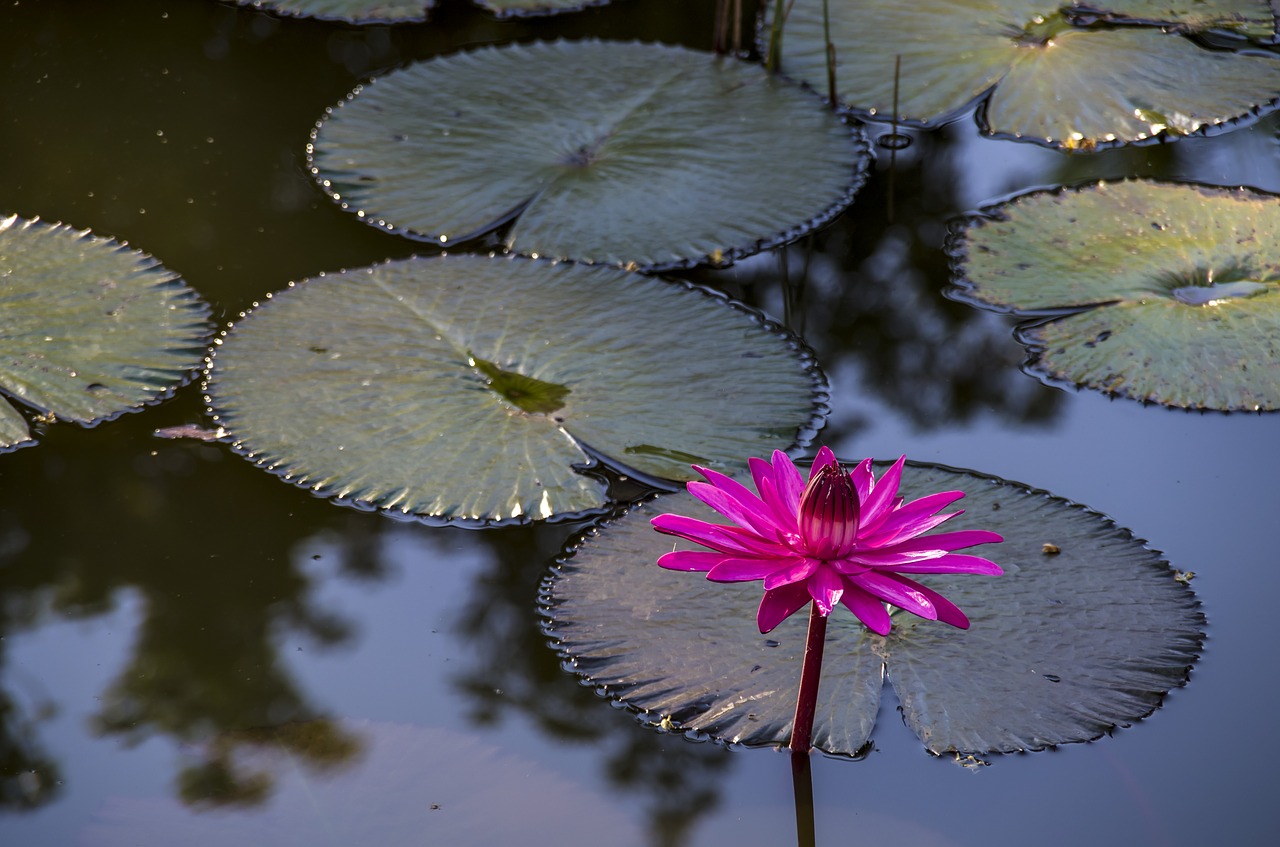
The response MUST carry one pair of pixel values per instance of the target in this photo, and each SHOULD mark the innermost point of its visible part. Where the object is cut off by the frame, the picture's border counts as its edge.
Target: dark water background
(194, 653)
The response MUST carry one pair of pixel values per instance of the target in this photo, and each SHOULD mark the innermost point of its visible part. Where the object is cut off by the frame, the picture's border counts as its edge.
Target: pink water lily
(844, 537)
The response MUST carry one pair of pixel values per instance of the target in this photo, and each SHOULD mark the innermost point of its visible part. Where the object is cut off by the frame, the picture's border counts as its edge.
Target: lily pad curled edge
(477, 390)
(639, 155)
(1159, 292)
(1063, 648)
(1057, 74)
(89, 328)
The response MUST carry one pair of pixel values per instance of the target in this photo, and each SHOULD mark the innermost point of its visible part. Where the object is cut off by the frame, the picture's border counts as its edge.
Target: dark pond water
(192, 652)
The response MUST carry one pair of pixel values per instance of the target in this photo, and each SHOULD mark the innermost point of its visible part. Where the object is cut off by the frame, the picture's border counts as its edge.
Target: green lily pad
(1171, 293)
(468, 388)
(1062, 648)
(351, 11)
(89, 329)
(631, 154)
(1050, 78)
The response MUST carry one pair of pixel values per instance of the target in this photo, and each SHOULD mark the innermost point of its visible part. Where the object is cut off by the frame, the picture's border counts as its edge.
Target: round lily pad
(89, 329)
(1071, 78)
(639, 155)
(1162, 293)
(463, 387)
(1087, 630)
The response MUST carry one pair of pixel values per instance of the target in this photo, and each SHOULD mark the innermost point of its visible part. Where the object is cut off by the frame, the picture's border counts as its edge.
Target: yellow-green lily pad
(1162, 293)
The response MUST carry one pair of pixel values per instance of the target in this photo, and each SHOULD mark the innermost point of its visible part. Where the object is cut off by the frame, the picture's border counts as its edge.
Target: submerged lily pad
(512, 8)
(1063, 647)
(352, 11)
(1055, 74)
(406, 11)
(1165, 293)
(632, 154)
(465, 387)
(89, 329)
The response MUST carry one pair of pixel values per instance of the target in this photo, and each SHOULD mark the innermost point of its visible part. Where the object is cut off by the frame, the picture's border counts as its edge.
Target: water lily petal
(787, 482)
(902, 593)
(948, 612)
(726, 539)
(953, 563)
(887, 558)
(863, 479)
(743, 569)
(781, 603)
(795, 570)
(736, 502)
(912, 519)
(877, 507)
(825, 457)
(690, 560)
(866, 608)
(763, 475)
(950, 540)
(825, 587)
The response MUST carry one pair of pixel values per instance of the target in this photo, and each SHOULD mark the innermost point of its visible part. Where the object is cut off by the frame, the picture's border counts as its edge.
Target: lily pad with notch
(469, 388)
(89, 328)
(1075, 76)
(1158, 292)
(639, 155)
(1062, 648)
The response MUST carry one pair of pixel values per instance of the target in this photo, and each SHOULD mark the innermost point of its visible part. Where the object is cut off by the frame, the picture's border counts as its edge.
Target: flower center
(829, 511)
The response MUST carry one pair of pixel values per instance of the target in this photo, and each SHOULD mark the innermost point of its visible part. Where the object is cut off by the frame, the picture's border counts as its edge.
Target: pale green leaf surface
(632, 154)
(1186, 281)
(88, 327)
(361, 385)
(1053, 82)
(1061, 649)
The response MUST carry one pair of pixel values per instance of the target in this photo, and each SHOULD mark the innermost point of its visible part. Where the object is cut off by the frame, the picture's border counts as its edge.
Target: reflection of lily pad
(1172, 291)
(631, 154)
(1062, 648)
(1055, 79)
(466, 387)
(89, 329)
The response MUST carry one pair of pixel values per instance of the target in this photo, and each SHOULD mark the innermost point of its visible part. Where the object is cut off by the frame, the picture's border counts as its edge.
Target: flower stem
(802, 782)
(810, 675)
